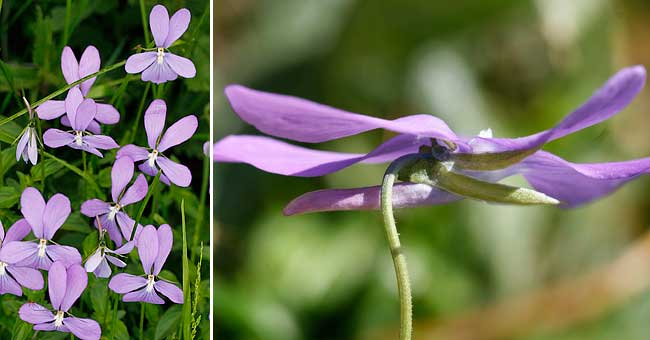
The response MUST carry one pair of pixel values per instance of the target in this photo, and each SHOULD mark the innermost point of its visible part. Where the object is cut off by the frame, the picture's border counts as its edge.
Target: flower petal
(94, 207)
(107, 114)
(159, 23)
(9, 286)
(125, 249)
(159, 73)
(278, 157)
(101, 142)
(123, 283)
(84, 329)
(111, 227)
(51, 109)
(117, 262)
(165, 242)
(140, 61)
(56, 212)
(77, 279)
(17, 251)
(178, 174)
(85, 114)
(27, 277)
(69, 65)
(179, 132)
(180, 65)
(154, 121)
(57, 283)
(34, 313)
(404, 195)
(17, 231)
(88, 64)
(121, 175)
(169, 290)
(32, 148)
(103, 270)
(72, 102)
(32, 205)
(305, 121)
(177, 26)
(66, 254)
(22, 144)
(136, 192)
(143, 296)
(126, 224)
(94, 260)
(148, 247)
(56, 138)
(136, 153)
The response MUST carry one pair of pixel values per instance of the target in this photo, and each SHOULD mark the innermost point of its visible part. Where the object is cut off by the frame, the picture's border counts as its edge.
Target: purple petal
(32, 205)
(32, 148)
(165, 242)
(85, 147)
(148, 170)
(125, 249)
(2, 233)
(154, 121)
(305, 121)
(94, 207)
(142, 295)
(136, 153)
(56, 212)
(94, 128)
(84, 329)
(17, 231)
(85, 114)
(278, 157)
(404, 195)
(77, 279)
(177, 26)
(101, 142)
(18, 251)
(22, 144)
(136, 192)
(88, 64)
(57, 283)
(121, 175)
(148, 247)
(56, 138)
(94, 260)
(107, 114)
(51, 109)
(103, 270)
(69, 65)
(178, 133)
(111, 227)
(126, 224)
(35, 313)
(178, 174)
(9, 286)
(72, 102)
(27, 277)
(117, 262)
(50, 327)
(123, 283)
(169, 290)
(66, 254)
(159, 73)
(159, 23)
(139, 62)
(180, 65)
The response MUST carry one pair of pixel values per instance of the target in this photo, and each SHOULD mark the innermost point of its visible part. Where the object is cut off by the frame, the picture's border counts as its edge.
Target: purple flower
(304, 121)
(44, 219)
(80, 113)
(179, 132)
(73, 71)
(65, 285)
(153, 247)
(162, 66)
(27, 147)
(97, 263)
(111, 215)
(13, 276)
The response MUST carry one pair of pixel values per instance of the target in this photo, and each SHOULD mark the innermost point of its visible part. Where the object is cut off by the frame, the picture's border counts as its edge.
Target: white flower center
(161, 53)
(487, 133)
(150, 283)
(78, 137)
(42, 244)
(2, 268)
(114, 209)
(152, 158)
(58, 319)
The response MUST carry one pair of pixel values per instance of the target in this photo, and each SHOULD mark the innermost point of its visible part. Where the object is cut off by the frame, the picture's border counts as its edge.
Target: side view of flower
(12, 276)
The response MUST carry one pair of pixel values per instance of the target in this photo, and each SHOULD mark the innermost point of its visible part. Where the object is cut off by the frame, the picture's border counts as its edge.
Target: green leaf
(51, 167)
(90, 243)
(104, 178)
(22, 331)
(168, 322)
(78, 223)
(9, 196)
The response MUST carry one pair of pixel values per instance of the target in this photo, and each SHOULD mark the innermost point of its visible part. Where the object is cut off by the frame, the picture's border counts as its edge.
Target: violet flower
(112, 216)
(179, 132)
(153, 247)
(80, 113)
(13, 276)
(27, 147)
(44, 219)
(162, 66)
(480, 157)
(73, 71)
(97, 263)
(65, 285)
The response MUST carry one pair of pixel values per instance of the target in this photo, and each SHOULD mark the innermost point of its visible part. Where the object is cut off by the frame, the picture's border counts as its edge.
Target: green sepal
(490, 160)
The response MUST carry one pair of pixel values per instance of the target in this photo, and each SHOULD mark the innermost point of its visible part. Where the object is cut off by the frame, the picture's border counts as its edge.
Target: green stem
(204, 191)
(142, 320)
(74, 169)
(41, 149)
(62, 90)
(186, 324)
(143, 205)
(399, 259)
(143, 15)
(66, 27)
(114, 319)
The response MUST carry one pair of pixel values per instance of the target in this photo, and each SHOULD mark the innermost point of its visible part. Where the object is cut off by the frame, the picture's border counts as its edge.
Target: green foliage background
(515, 66)
(32, 36)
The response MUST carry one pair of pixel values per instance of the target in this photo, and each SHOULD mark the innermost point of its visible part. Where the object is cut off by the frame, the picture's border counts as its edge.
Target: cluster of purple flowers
(21, 261)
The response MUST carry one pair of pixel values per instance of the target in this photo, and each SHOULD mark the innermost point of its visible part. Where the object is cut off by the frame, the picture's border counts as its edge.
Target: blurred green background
(515, 66)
